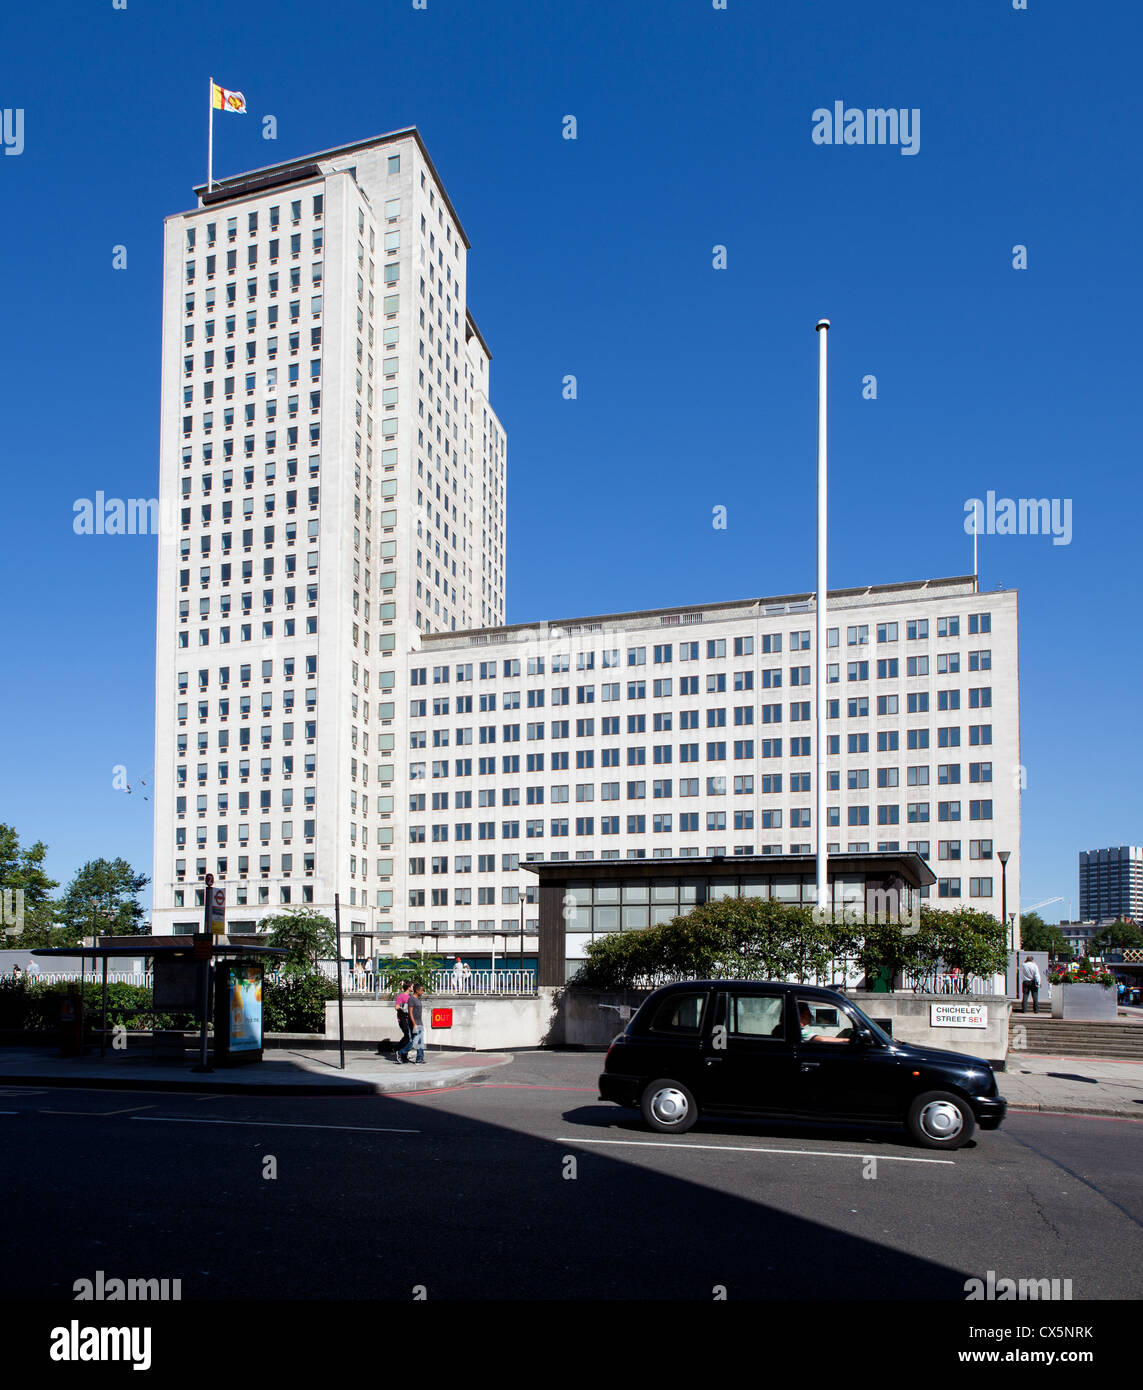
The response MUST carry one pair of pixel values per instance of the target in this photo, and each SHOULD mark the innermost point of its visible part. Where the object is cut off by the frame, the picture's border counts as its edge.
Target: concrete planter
(1084, 1003)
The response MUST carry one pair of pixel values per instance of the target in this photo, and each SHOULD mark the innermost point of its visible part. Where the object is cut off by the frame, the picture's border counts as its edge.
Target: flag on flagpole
(223, 100)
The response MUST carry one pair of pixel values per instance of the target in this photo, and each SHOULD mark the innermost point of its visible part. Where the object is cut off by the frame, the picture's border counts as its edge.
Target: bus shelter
(190, 974)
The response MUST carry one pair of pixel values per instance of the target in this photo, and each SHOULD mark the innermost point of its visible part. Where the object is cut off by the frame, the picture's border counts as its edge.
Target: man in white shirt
(1029, 984)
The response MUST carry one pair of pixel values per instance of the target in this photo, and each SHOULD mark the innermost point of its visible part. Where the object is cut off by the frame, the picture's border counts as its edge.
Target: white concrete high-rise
(335, 476)
(340, 707)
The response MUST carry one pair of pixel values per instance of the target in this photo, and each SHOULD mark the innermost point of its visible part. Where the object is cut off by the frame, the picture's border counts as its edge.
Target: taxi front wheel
(667, 1106)
(940, 1120)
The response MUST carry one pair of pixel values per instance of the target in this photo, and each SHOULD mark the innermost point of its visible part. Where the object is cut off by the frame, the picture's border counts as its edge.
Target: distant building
(1078, 936)
(1111, 884)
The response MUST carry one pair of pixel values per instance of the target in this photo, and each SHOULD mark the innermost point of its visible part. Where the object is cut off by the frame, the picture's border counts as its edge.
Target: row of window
(857, 706)
(689, 651)
(769, 784)
(979, 696)
(887, 741)
(800, 817)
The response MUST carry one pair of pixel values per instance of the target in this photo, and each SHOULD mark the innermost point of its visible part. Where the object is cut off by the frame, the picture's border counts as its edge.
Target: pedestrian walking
(417, 1027)
(1029, 984)
(458, 975)
(402, 1003)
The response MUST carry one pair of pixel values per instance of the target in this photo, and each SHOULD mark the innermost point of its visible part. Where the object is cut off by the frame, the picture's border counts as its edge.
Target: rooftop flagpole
(210, 136)
(975, 531)
(822, 328)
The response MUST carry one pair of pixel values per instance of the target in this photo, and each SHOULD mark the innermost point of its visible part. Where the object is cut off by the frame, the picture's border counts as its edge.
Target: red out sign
(442, 1018)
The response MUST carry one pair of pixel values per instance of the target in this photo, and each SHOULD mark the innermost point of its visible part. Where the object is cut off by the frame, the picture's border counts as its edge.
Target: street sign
(442, 1018)
(217, 910)
(958, 1015)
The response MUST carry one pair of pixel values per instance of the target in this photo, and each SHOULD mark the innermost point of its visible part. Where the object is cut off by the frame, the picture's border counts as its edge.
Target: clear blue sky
(696, 387)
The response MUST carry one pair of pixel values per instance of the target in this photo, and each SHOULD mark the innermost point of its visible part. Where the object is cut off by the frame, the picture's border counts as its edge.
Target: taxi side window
(755, 1015)
(824, 1023)
(680, 1013)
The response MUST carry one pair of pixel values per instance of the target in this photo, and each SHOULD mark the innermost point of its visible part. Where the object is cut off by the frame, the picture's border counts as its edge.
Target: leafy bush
(34, 1005)
(759, 938)
(295, 1003)
(731, 938)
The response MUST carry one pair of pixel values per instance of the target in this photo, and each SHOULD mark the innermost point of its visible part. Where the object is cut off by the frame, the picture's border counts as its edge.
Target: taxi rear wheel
(668, 1107)
(940, 1120)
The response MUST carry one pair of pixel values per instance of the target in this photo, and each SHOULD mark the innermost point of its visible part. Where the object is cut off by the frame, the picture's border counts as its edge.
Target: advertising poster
(244, 983)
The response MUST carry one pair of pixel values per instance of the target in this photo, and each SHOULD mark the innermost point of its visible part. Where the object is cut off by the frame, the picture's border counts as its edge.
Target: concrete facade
(339, 705)
(332, 480)
(592, 1018)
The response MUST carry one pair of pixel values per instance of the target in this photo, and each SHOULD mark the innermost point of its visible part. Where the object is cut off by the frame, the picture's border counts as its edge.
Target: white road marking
(743, 1149)
(99, 1114)
(268, 1124)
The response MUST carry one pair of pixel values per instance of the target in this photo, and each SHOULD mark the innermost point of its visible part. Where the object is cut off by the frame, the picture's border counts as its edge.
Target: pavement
(1073, 1085)
(1061, 1085)
(289, 1071)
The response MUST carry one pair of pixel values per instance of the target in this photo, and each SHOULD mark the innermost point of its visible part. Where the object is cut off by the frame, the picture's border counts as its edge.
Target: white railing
(943, 982)
(442, 982)
(114, 977)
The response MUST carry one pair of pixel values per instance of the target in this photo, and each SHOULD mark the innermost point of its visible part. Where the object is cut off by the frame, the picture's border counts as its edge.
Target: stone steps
(1045, 1036)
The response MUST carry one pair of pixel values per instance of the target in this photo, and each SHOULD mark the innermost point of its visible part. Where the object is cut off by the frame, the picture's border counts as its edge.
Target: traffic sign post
(202, 951)
(216, 898)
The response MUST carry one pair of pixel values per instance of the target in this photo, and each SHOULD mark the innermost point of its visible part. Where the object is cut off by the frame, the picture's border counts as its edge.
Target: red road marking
(524, 1086)
(1080, 1115)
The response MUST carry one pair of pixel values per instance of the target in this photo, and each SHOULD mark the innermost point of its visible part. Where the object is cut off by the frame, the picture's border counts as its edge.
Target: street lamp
(1004, 855)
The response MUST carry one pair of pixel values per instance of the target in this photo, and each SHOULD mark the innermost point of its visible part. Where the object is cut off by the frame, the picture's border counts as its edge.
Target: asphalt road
(525, 1186)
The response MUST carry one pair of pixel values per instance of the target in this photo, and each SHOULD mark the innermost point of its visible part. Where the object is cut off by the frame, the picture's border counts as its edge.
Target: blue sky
(594, 257)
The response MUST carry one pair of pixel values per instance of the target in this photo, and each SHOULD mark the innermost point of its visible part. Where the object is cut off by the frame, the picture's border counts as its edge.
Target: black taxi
(791, 1052)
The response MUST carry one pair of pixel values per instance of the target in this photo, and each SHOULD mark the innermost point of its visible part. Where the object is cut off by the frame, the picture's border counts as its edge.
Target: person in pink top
(402, 1003)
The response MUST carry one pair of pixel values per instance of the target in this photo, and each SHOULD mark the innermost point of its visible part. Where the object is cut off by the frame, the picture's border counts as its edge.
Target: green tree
(21, 871)
(23, 868)
(1117, 936)
(1038, 935)
(102, 900)
(881, 946)
(418, 967)
(307, 935)
(966, 940)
